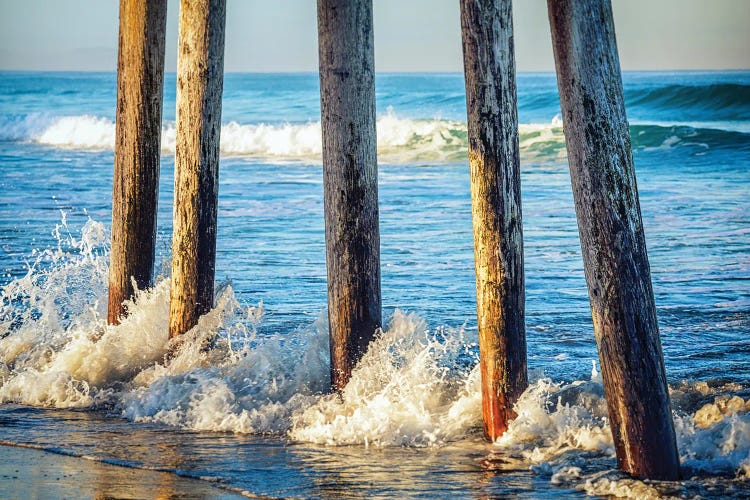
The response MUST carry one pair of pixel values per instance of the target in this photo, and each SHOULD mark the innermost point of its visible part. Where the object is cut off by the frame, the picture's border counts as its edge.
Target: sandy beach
(30, 473)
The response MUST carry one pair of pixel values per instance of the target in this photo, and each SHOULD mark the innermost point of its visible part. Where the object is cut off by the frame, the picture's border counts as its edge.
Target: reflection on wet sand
(31, 473)
(448, 472)
(263, 463)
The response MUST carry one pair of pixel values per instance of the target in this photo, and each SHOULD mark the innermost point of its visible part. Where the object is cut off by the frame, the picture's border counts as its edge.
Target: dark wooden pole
(200, 78)
(140, 81)
(612, 239)
(350, 177)
(489, 70)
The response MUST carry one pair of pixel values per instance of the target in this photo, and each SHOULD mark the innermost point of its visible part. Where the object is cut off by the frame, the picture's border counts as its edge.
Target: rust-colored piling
(350, 177)
(612, 240)
(489, 70)
(200, 79)
(140, 82)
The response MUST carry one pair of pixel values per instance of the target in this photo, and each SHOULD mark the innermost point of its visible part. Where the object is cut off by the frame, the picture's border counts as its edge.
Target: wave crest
(724, 101)
(400, 140)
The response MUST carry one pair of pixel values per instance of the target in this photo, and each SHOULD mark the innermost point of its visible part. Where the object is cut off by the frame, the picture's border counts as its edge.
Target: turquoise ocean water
(252, 414)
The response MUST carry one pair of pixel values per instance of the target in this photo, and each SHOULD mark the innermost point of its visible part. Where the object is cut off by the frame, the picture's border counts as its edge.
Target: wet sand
(31, 473)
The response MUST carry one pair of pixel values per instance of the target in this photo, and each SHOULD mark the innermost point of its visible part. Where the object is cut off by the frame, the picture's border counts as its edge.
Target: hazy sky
(410, 35)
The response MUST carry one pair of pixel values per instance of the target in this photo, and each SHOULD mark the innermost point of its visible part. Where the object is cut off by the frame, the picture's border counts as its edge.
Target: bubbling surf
(400, 140)
(415, 387)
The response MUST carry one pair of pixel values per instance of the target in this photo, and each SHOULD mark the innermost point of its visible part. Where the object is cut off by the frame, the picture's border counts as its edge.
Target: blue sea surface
(691, 145)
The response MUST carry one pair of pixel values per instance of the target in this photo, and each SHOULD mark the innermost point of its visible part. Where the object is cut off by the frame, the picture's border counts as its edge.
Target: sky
(410, 35)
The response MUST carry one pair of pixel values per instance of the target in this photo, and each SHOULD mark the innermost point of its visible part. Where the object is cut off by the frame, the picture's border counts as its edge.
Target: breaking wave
(400, 140)
(415, 386)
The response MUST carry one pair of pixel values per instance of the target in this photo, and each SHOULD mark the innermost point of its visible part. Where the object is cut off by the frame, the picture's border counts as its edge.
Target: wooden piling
(489, 70)
(140, 81)
(612, 239)
(200, 78)
(350, 176)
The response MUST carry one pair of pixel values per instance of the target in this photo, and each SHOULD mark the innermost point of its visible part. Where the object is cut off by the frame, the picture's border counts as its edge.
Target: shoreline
(32, 472)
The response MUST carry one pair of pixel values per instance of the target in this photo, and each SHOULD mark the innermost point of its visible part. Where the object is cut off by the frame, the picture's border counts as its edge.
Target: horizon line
(430, 72)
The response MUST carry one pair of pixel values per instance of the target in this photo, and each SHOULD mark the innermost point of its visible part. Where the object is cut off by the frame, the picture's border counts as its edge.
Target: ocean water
(252, 414)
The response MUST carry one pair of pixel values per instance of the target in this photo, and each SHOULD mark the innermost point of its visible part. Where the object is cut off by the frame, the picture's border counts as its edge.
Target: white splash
(81, 132)
(562, 428)
(414, 387)
(407, 390)
(399, 139)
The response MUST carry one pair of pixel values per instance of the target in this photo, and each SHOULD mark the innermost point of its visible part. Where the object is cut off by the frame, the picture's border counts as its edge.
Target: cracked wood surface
(135, 187)
(612, 239)
(200, 78)
(489, 70)
(350, 180)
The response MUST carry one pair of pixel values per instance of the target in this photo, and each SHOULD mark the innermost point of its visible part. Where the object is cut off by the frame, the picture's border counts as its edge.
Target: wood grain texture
(140, 82)
(612, 239)
(350, 176)
(200, 79)
(489, 70)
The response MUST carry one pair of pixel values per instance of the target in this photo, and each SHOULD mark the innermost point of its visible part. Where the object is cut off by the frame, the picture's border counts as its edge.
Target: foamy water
(243, 399)
(415, 387)
(400, 140)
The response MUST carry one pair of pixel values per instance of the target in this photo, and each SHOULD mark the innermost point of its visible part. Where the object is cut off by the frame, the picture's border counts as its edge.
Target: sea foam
(399, 140)
(415, 386)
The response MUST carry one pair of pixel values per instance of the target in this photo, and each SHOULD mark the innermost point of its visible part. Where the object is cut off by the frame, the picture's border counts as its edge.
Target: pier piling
(612, 239)
(200, 78)
(140, 82)
(489, 70)
(350, 177)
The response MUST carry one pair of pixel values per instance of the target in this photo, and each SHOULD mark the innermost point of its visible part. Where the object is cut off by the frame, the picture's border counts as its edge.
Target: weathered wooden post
(200, 78)
(350, 177)
(140, 81)
(612, 239)
(489, 70)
